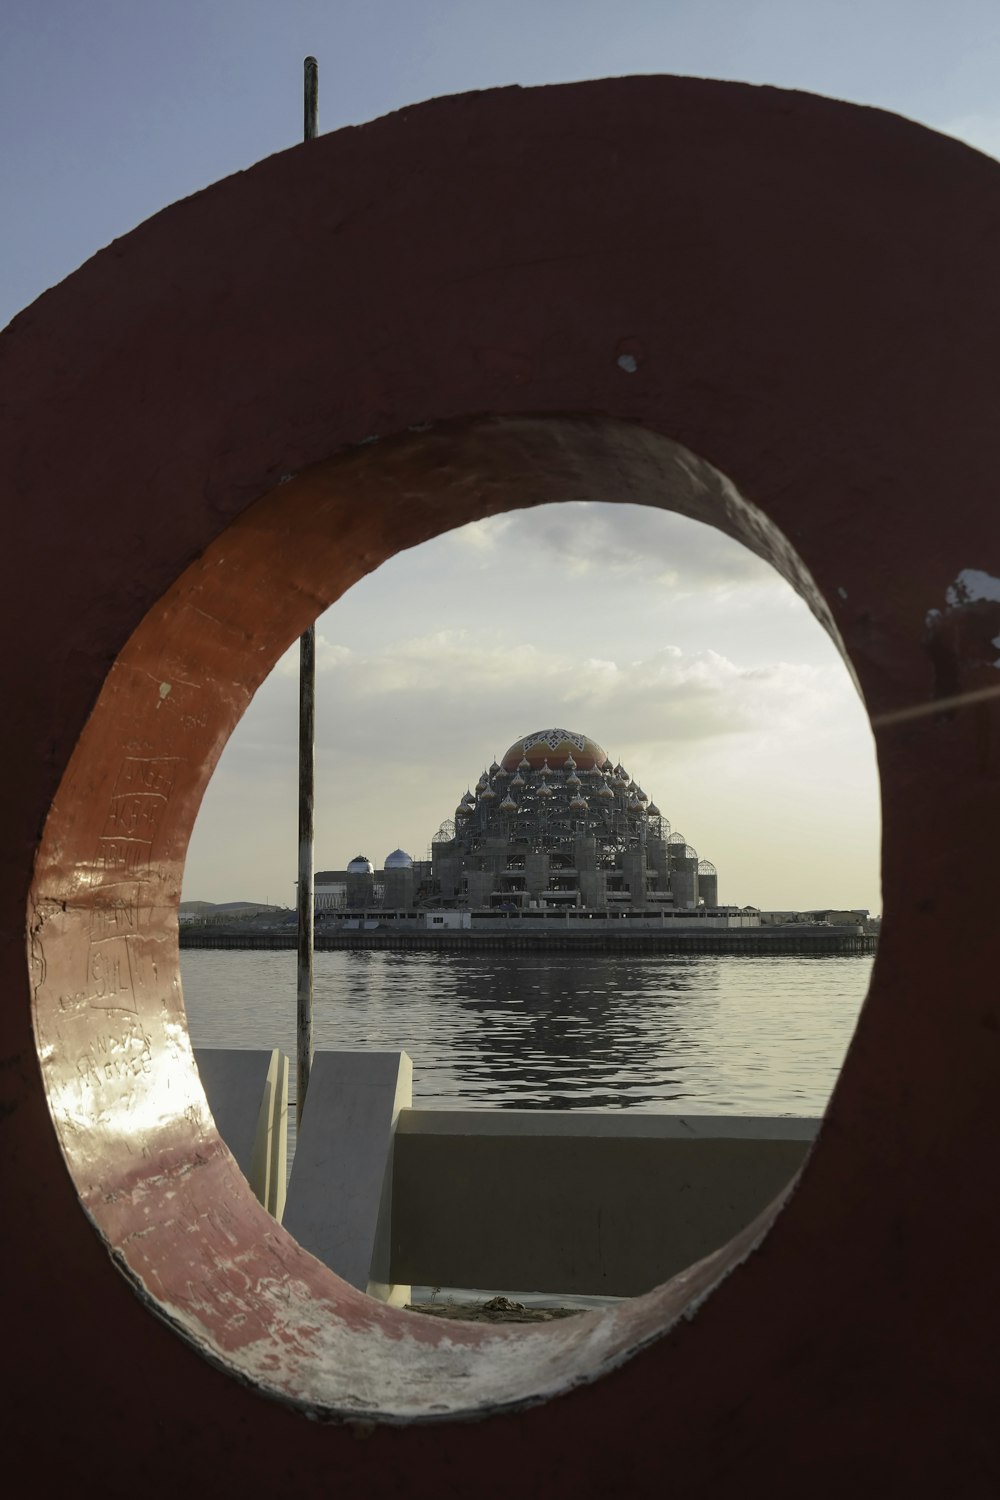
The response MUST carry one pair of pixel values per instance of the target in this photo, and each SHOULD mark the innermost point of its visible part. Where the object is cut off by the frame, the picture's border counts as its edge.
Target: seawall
(749, 942)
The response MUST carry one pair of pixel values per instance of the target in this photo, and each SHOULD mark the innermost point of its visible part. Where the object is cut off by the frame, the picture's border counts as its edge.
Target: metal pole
(307, 756)
(310, 98)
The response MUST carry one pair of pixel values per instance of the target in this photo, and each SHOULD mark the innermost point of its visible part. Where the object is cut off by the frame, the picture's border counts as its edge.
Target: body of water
(698, 1034)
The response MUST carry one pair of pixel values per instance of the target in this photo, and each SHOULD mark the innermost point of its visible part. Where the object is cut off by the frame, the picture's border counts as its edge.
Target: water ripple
(712, 1035)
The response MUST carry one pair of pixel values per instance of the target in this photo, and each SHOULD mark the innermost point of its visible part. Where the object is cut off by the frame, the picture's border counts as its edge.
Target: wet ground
(495, 1310)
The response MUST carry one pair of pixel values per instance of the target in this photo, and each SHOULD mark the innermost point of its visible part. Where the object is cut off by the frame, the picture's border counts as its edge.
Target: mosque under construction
(552, 825)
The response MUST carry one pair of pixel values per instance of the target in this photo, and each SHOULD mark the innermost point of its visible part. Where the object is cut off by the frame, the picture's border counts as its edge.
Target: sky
(682, 654)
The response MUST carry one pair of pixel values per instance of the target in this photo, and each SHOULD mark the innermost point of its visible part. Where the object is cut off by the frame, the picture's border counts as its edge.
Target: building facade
(403, 884)
(554, 825)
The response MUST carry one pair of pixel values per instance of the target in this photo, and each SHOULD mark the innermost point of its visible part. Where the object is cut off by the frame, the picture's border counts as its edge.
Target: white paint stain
(628, 363)
(970, 586)
(164, 689)
(842, 592)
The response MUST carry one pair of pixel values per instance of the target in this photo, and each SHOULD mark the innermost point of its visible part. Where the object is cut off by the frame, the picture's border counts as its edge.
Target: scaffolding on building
(600, 837)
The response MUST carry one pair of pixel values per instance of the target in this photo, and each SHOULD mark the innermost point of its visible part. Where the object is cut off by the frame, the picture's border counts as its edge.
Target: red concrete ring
(521, 296)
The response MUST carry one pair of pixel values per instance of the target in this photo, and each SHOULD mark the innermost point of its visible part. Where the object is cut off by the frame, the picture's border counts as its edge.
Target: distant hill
(205, 908)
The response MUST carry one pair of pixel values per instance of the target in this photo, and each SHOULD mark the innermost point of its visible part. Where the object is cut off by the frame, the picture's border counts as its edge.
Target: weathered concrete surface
(477, 304)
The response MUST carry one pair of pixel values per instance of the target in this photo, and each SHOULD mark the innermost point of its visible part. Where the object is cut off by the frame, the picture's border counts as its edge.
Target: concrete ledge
(579, 1203)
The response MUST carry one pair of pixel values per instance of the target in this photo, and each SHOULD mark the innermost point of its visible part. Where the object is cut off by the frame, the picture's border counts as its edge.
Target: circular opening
(109, 1016)
(718, 689)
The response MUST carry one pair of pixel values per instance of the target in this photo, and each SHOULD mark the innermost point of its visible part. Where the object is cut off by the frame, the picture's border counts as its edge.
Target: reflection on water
(710, 1035)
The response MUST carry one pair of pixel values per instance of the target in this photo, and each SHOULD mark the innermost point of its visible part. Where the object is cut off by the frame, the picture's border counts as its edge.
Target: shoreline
(751, 942)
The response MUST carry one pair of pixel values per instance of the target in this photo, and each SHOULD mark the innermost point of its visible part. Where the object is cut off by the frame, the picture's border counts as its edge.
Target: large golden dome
(554, 746)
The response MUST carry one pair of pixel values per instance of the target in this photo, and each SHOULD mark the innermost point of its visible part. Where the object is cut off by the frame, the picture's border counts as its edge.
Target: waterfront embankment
(793, 938)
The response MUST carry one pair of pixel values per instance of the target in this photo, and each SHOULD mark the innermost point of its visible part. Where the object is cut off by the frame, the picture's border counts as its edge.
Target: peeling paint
(972, 585)
(962, 637)
(628, 363)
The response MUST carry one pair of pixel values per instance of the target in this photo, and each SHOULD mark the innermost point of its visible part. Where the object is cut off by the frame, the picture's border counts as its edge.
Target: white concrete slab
(247, 1092)
(340, 1191)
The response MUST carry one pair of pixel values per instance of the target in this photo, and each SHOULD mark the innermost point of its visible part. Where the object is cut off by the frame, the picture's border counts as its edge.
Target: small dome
(508, 804)
(653, 810)
(573, 780)
(545, 770)
(487, 794)
(518, 780)
(398, 860)
(578, 804)
(544, 791)
(606, 792)
(361, 865)
(494, 768)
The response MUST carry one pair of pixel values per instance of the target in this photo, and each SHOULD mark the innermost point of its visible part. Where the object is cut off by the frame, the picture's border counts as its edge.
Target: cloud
(734, 756)
(624, 541)
(679, 651)
(327, 656)
(474, 692)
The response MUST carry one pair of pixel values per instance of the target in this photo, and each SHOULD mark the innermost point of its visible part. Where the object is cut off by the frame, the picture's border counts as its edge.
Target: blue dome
(398, 860)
